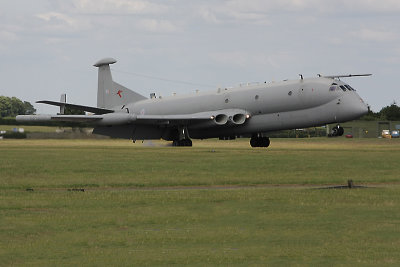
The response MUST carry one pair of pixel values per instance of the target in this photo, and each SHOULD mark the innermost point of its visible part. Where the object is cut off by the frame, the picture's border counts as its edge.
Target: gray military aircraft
(250, 110)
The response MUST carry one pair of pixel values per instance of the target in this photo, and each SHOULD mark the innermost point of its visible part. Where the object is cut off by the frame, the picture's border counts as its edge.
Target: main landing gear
(336, 131)
(183, 142)
(259, 141)
(183, 138)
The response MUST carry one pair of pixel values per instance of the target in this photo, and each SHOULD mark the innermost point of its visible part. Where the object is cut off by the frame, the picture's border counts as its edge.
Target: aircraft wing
(77, 107)
(118, 118)
(219, 117)
(66, 118)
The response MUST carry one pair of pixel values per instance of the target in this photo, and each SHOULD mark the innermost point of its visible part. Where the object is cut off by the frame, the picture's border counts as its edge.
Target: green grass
(201, 227)
(129, 214)
(115, 163)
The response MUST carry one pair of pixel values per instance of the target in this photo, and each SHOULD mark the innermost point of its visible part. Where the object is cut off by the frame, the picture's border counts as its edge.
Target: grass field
(217, 203)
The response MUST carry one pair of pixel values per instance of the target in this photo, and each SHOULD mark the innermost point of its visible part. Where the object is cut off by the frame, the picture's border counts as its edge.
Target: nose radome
(361, 108)
(351, 107)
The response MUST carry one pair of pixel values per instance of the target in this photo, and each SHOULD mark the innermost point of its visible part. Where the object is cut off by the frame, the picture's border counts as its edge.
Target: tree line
(12, 106)
(388, 113)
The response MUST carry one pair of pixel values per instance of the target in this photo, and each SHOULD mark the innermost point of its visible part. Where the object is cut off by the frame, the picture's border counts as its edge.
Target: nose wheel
(336, 131)
(259, 141)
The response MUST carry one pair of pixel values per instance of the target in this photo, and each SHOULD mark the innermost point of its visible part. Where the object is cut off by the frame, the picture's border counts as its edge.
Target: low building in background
(366, 129)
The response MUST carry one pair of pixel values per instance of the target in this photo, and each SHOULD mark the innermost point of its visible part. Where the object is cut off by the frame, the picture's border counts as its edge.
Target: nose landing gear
(336, 131)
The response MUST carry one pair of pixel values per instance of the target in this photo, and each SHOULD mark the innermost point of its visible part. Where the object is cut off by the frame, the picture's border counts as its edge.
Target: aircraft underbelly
(134, 132)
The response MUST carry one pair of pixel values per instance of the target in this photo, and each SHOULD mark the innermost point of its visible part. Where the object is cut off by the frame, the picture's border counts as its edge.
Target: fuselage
(246, 110)
(271, 106)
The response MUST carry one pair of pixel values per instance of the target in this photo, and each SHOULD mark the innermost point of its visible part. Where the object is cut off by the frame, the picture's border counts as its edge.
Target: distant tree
(17, 107)
(370, 116)
(12, 106)
(29, 109)
(5, 106)
(390, 113)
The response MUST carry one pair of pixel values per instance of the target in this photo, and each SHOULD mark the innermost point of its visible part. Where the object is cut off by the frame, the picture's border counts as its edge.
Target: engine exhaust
(238, 118)
(221, 119)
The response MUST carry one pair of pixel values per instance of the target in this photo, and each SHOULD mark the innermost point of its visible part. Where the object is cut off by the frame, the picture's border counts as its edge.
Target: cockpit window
(333, 87)
(349, 87)
(343, 88)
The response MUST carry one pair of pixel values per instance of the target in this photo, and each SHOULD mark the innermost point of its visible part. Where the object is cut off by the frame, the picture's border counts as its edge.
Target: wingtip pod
(33, 118)
(116, 119)
(105, 61)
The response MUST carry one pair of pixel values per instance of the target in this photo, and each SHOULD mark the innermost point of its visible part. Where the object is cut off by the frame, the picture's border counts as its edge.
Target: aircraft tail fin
(111, 94)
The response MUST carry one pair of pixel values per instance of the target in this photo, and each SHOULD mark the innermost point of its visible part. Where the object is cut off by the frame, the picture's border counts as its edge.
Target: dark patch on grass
(76, 189)
(350, 185)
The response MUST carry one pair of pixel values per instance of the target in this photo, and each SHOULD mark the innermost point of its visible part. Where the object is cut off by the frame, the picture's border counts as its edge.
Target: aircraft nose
(362, 108)
(351, 108)
(358, 107)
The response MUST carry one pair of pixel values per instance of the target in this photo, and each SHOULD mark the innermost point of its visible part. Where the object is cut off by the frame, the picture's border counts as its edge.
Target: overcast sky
(48, 47)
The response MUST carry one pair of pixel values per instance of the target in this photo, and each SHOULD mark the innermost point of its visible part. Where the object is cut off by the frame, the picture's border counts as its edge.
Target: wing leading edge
(219, 117)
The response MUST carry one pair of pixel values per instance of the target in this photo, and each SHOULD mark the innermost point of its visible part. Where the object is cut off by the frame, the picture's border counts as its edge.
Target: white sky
(48, 47)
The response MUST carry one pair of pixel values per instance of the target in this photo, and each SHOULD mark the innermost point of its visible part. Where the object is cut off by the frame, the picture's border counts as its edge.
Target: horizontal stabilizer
(77, 107)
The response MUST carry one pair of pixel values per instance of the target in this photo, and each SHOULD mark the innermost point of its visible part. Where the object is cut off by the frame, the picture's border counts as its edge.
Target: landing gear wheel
(186, 142)
(253, 142)
(260, 142)
(266, 142)
(340, 131)
(183, 142)
(336, 131)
